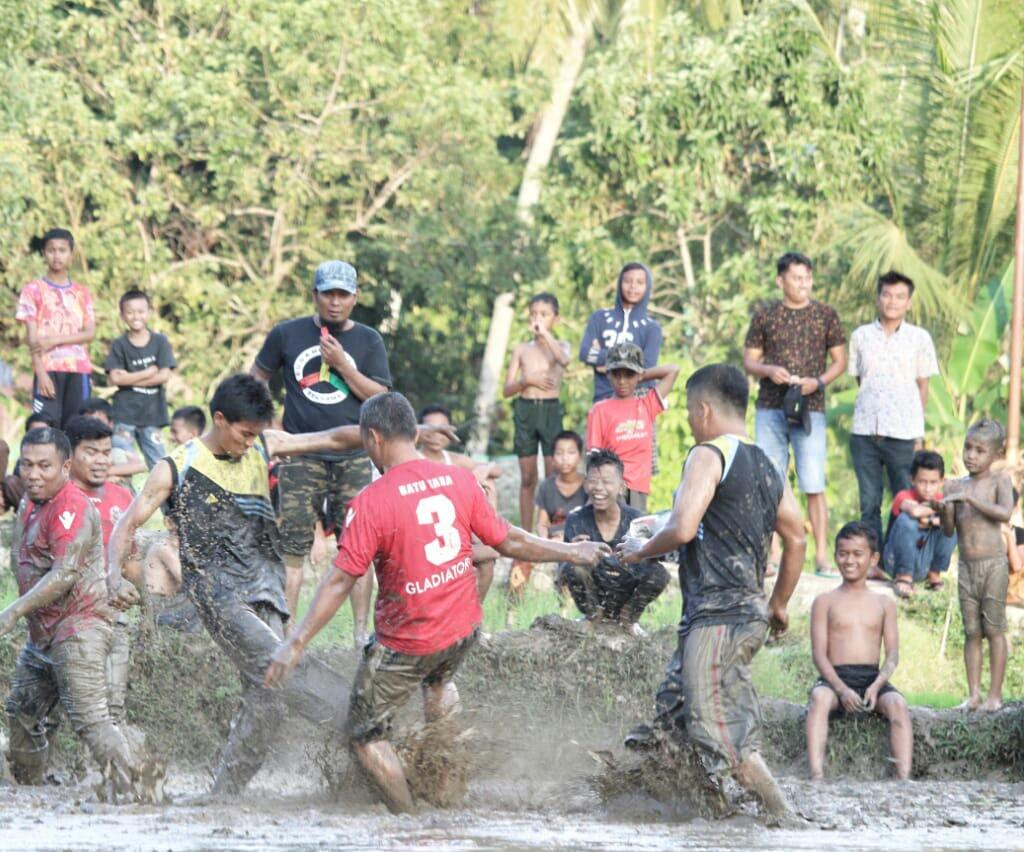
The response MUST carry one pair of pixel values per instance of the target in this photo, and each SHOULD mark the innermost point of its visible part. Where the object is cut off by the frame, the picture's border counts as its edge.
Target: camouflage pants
(312, 488)
(73, 672)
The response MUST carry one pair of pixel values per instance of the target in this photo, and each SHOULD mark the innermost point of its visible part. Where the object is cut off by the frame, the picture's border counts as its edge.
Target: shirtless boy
(977, 507)
(535, 374)
(848, 627)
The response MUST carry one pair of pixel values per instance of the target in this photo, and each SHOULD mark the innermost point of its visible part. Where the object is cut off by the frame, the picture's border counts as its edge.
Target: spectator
(625, 423)
(187, 422)
(563, 491)
(59, 321)
(892, 361)
(330, 364)
(788, 347)
(627, 322)
(140, 364)
(916, 548)
(125, 462)
(610, 590)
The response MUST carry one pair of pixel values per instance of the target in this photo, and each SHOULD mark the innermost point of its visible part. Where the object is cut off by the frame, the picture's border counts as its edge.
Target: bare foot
(991, 704)
(972, 703)
(818, 777)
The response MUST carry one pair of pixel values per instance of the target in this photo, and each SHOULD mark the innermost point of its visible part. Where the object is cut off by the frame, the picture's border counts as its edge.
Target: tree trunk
(549, 125)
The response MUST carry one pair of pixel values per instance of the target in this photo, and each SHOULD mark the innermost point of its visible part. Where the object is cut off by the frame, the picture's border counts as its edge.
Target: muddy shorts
(310, 488)
(982, 586)
(537, 421)
(858, 678)
(723, 714)
(387, 679)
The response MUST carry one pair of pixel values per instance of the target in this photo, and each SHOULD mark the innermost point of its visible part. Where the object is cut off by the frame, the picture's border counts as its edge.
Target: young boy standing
(535, 374)
(977, 507)
(917, 548)
(59, 321)
(563, 491)
(140, 363)
(624, 424)
(187, 422)
(848, 627)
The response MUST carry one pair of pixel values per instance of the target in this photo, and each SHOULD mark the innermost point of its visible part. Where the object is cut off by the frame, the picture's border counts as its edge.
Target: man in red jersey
(58, 558)
(417, 521)
(91, 443)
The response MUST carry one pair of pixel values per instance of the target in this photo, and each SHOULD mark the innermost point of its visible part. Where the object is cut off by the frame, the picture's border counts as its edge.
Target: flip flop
(903, 589)
(935, 585)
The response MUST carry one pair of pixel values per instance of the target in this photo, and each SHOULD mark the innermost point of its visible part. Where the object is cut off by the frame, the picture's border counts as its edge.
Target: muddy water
(499, 815)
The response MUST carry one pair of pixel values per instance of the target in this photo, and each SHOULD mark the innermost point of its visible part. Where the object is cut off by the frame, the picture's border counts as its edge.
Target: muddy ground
(538, 707)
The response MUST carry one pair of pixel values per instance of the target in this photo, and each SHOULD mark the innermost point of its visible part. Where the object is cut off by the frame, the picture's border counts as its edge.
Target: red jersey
(66, 526)
(417, 521)
(110, 500)
(626, 426)
(908, 494)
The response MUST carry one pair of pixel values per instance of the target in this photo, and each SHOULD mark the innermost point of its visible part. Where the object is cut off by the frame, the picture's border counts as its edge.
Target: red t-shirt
(626, 426)
(908, 494)
(110, 500)
(46, 531)
(417, 521)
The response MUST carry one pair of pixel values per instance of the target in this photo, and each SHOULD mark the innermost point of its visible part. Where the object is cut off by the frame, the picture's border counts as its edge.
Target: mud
(538, 757)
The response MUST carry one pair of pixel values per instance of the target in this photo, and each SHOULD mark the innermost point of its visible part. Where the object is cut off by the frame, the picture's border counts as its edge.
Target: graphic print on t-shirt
(307, 374)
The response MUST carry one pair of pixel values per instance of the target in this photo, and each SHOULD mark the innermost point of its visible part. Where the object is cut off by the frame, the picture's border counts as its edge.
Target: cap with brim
(335, 275)
(625, 356)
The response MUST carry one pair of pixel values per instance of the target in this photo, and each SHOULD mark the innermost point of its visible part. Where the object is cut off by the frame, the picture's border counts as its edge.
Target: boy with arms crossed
(848, 625)
(976, 507)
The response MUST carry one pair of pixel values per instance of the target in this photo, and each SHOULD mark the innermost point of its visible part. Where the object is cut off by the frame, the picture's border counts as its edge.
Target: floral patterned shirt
(58, 309)
(799, 340)
(888, 366)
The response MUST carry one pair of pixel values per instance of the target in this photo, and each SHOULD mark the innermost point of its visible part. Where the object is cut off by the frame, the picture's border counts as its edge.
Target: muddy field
(542, 711)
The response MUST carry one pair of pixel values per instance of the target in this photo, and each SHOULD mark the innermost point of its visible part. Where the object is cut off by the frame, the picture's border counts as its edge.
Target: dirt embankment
(539, 705)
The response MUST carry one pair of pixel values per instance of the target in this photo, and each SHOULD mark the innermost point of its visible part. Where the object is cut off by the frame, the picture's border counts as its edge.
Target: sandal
(903, 588)
(935, 585)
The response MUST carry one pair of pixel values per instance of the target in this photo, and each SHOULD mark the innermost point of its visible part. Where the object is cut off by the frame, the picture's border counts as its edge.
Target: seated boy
(848, 626)
(610, 590)
(563, 491)
(917, 548)
(624, 424)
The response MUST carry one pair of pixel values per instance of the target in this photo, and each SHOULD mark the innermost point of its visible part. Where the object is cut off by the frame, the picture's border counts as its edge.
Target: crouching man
(612, 591)
(58, 559)
(417, 520)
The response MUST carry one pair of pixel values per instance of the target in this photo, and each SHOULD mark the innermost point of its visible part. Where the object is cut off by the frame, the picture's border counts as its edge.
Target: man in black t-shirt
(329, 364)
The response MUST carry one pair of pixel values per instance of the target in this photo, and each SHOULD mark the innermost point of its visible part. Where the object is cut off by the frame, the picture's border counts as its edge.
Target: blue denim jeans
(914, 551)
(774, 435)
(149, 439)
(874, 458)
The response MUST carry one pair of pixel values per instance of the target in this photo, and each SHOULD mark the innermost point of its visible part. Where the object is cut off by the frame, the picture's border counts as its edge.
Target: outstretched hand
(589, 553)
(446, 429)
(284, 660)
(629, 549)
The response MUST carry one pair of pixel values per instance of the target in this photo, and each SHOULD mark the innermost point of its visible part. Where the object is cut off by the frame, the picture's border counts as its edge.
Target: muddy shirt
(797, 339)
(721, 571)
(66, 527)
(417, 522)
(226, 526)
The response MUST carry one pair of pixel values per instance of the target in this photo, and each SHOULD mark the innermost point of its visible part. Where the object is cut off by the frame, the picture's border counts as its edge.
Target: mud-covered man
(57, 557)
(417, 520)
(729, 502)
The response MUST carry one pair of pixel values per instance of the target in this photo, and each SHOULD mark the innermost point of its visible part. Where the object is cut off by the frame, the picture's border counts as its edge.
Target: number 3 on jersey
(438, 511)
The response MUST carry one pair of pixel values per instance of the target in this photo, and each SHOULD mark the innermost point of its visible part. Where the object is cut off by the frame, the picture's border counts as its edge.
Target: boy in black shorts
(848, 627)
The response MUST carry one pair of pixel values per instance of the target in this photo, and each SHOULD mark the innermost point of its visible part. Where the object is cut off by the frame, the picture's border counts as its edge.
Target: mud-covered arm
(998, 510)
(340, 438)
(52, 586)
(701, 475)
(332, 592)
(789, 524)
(526, 547)
(154, 493)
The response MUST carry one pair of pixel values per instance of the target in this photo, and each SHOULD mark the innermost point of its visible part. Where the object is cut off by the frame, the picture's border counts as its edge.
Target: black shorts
(70, 391)
(537, 421)
(858, 678)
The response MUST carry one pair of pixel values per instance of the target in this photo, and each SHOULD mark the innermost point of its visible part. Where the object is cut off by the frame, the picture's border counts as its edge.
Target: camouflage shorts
(312, 488)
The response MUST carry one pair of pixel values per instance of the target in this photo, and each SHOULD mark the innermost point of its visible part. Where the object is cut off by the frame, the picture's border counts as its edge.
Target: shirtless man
(848, 626)
(977, 507)
(535, 374)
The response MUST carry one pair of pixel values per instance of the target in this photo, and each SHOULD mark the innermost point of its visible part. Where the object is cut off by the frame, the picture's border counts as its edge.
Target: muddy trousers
(250, 634)
(611, 590)
(73, 672)
(118, 663)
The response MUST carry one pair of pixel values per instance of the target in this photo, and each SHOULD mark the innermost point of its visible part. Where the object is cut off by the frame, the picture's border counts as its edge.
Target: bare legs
(754, 775)
(997, 648)
(817, 514)
(527, 489)
(822, 702)
(294, 567)
(901, 734)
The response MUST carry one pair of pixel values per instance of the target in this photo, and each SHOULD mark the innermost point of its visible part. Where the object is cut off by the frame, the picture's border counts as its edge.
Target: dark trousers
(611, 590)
(250, 634)
(874, 457)
(70, 391)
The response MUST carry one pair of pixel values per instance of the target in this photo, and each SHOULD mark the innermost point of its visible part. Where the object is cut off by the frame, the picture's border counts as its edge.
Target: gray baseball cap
(335, 275)
(625, 356)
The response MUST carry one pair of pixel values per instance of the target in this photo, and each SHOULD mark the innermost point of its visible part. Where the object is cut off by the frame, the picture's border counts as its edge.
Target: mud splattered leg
(754, 775)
